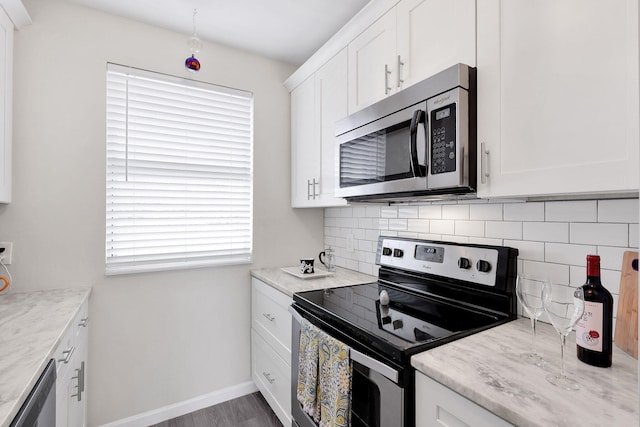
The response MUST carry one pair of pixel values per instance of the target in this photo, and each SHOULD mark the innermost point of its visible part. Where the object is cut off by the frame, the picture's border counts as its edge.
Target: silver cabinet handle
(269, 377)
(387, 72)
(315, 192)
(67, 355)
(83, 322)
(400, 64)
(308, 189)
(484, 163)
(269, 317)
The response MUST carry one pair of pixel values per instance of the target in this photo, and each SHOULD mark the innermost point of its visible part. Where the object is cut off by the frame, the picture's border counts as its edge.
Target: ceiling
(286, 30)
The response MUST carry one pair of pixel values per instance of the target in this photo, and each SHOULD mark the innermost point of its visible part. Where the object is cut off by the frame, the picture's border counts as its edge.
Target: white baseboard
(177, 409)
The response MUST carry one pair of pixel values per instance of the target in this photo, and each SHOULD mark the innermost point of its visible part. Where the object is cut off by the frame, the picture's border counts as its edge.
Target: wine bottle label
(589, 327)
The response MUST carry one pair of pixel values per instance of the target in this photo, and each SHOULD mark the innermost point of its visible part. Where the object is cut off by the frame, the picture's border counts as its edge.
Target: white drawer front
(271, 316)
(272, 375)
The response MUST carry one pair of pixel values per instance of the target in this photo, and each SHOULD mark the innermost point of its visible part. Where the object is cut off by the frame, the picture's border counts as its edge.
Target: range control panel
(468, 263)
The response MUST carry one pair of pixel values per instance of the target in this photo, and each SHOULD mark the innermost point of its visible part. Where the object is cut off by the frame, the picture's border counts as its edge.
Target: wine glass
(529, 293)
(565, 306)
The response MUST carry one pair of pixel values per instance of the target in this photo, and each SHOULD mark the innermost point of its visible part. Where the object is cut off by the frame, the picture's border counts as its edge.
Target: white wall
(158, 338)
(553, 237)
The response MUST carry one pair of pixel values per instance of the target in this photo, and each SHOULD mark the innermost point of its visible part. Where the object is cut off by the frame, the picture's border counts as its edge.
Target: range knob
(397, 324)
(398, 253)
(483, 266)
(464, 263)
(386, 251)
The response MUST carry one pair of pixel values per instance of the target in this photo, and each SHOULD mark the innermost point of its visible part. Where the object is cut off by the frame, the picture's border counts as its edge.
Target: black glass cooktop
(395, 322)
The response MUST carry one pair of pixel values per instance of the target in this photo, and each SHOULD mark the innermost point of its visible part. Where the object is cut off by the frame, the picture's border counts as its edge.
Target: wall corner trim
(181, 408)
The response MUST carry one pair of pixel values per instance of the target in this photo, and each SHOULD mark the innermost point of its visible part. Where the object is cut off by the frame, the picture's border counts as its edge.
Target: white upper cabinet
(414, 40)
(373, 63)
(433, 35)
(316, 104)
(557, 97)
(331, 105)
(305, 145)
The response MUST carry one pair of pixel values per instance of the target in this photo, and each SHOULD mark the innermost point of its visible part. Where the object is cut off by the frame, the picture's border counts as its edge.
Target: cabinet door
(372, 63)
(557, 97)
(331, 99)
(305, 146)
(434, 35)
(6, 105)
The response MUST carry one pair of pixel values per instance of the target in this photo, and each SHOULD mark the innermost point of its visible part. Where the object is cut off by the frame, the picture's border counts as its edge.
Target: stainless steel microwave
(418, 142)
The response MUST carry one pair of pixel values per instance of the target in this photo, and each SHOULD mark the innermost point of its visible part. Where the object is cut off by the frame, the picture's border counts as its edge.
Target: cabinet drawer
(271, 316)
(75, 334)
(437, 406)
(272, 375)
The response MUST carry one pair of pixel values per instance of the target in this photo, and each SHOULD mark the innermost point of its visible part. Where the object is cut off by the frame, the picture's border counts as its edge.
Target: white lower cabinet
(71, 367)
(271, 347)
(439, 406)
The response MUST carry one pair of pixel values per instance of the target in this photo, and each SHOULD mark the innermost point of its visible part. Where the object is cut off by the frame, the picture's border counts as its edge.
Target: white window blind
(179, 173)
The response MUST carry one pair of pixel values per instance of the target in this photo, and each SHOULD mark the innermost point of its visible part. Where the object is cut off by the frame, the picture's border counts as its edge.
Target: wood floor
(246, 411)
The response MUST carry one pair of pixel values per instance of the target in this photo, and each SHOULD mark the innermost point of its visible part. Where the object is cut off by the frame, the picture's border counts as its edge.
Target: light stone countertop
(33, 323)
(486, 369)
(289, 284)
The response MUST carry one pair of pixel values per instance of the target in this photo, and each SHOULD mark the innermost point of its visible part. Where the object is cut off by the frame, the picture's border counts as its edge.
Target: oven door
(388, 155)
(377, 399)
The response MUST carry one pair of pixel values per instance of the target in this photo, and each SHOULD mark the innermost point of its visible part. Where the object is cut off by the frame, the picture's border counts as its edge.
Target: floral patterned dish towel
(334, 382)
(307, 392)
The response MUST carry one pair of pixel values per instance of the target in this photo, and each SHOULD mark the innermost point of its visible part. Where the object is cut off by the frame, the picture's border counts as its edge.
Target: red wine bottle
(594, 330)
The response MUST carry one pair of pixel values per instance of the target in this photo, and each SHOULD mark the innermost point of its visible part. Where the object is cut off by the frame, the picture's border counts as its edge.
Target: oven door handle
(360, 358)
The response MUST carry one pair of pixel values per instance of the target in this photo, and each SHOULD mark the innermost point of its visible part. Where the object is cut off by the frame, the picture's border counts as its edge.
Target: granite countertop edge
(14, 394)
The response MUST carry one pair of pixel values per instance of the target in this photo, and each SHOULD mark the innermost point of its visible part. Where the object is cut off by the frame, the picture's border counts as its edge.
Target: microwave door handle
(418, 117)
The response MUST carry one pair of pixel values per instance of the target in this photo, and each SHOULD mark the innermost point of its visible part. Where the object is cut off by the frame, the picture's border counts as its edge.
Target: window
(179, 173)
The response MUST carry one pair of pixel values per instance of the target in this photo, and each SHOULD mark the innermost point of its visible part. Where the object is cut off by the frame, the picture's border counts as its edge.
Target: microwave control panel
(443, 139)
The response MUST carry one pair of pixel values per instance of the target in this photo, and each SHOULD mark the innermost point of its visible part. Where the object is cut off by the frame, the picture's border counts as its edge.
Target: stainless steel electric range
(428, 293)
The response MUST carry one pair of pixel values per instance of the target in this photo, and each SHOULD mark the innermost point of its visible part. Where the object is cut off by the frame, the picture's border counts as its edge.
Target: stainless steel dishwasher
(40, 407)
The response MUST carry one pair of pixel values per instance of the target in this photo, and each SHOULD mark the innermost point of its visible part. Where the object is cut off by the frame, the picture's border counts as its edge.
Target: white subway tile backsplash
(524, 211)
(485, 241)
(408, 212)
(398, 224)
(563, 253)
(532, 251)
(389, 212)
(503, 229)
(553, 238)
(442, 226)
(455, 211)
(600, 234)
(611, 280)
(618, 211)
(365, 223)
(610, 257)
(455, 239)
(430, 212)
(634, 235)
(557, 273)
(469, 228)
(573, 211)
(488, 212)
(546, 231)
(358, 211)
(372, 211)
(418, 225)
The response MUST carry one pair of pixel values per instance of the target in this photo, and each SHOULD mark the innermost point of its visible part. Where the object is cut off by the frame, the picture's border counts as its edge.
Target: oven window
(380, 156)
(365, 400)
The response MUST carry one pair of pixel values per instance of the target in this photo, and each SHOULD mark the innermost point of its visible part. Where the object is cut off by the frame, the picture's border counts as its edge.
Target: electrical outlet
(7, 253)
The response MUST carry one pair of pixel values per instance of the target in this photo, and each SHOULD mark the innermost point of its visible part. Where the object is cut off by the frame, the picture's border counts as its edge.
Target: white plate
(295, 271)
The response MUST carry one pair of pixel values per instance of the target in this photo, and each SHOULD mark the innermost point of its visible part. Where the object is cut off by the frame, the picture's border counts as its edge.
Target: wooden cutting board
(626, 336)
